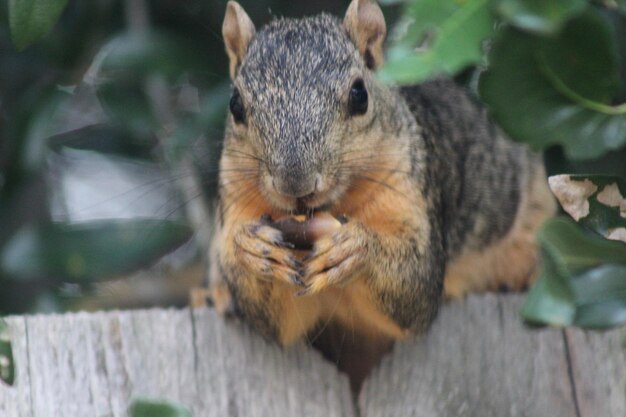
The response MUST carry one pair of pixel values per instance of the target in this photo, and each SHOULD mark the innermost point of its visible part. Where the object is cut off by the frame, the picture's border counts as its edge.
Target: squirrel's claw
(334, 261)
(269, 234)
(340, 274)
(264, 253)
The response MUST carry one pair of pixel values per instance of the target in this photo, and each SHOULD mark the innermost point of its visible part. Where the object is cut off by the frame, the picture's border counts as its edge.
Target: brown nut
(303, 231)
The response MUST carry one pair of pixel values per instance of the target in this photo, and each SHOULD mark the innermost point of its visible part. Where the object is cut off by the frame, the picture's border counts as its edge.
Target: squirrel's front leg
(263, 276)
(403, 271)
(264, 253)
(337, 259)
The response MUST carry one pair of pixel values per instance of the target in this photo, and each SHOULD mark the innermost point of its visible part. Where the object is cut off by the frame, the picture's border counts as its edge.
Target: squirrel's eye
(358, 98)
(236, 107)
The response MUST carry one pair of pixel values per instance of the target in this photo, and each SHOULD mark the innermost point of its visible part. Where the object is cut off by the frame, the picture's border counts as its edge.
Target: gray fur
(296, 74)
(477, 171)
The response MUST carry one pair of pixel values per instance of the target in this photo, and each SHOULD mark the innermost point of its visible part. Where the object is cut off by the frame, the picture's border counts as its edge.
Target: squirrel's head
(303, 91)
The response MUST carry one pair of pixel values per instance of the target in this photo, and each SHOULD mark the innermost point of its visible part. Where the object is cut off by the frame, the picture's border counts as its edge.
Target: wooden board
(478, 360)
(91, 365)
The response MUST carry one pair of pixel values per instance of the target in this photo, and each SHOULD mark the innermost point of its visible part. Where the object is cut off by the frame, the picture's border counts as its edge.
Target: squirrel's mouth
(308, 204)
(327, 192)
(303, 205)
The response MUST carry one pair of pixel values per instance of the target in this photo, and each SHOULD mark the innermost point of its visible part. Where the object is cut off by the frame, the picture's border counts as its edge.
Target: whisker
(178, 206)
(382, 183)
(375, 156)
(235, 200)
(359, 168)
(153, 184)
(327, 322)
(237, 151)
(215, 172)
(251, 199)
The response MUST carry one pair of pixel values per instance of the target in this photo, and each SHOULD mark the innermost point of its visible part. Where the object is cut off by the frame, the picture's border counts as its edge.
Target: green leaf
(598, 202)
(30, 20)
(128, 104)
(550, 300)
(448, 35)
(150, 408)
(583, 60)
(574, 250)
(87, 251)
(611, 163)
(7, 367)
(532, 99)
(539, 16)
(583, 281)
(617, 21)
(600, 295)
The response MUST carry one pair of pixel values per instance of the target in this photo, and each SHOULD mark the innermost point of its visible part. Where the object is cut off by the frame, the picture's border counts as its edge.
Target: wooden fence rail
(478, 361)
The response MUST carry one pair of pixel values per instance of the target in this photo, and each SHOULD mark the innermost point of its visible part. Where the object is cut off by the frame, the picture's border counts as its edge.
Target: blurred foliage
(583, 280)
(88, 251)
(595, 201)
(553, 75)
(539, 16)
(32, 19)
(584, 277)
(437, 36)
(147, 408)
(564, 87)
(141, 84)
(555, 71)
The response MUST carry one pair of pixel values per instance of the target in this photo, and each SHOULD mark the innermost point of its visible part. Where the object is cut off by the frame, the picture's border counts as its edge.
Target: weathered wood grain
(477, 361)
(599, 383)
(83, 365)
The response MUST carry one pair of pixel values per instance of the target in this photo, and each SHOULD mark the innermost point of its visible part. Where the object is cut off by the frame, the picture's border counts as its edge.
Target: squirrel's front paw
(335, 260)
(262, 250)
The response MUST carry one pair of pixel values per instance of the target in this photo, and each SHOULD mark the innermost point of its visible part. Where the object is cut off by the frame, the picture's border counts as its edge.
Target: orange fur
(511, 262)
(387, 210)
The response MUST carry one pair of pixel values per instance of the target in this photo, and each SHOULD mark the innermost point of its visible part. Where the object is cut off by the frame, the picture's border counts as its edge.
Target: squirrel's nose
(295, 186)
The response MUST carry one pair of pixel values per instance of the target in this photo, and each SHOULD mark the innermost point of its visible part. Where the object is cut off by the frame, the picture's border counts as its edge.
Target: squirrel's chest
(352, 309)
(352, 332)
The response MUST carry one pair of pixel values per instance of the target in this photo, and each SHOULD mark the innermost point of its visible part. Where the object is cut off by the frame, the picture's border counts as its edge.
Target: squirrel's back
(484, 183)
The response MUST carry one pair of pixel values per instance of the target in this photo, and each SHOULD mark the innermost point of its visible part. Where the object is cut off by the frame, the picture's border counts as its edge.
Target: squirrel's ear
(365, 24)
(237, 30)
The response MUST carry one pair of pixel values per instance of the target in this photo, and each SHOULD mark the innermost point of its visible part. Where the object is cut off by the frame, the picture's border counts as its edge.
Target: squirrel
(437, 201)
